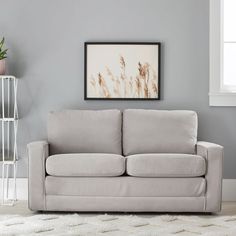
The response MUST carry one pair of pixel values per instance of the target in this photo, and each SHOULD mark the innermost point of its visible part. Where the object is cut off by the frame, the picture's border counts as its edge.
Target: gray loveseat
(135, 161)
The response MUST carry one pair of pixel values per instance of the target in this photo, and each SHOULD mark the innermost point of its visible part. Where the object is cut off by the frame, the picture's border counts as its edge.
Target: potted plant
(3, 55)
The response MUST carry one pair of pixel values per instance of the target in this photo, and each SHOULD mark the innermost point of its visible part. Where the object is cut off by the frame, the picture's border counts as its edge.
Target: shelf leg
(3, 177)
(15, 144)
(3, 164)
(8, 115)
(15, 193)
(3, 97)
(7, 180)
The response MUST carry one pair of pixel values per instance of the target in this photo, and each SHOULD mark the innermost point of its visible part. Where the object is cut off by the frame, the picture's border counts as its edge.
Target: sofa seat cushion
(125, 186)
(165, 165)
(85, 164)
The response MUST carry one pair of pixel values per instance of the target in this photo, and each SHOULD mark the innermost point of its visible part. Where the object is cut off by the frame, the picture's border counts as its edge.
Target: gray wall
(46, 52)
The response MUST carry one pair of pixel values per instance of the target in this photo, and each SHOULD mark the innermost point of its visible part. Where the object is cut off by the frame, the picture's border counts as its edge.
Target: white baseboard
(229, 189)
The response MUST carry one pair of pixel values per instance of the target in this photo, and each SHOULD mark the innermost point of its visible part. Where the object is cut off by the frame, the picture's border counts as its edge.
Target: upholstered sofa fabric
(213, 153)
(125, 204)
(156, 131)
(166, 165)
(85, 164)
(142, 161)
(83, 131)
(38, 152)
(125, 186)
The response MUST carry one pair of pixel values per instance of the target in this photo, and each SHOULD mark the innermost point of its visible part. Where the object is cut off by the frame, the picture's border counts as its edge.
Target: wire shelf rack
(9, 125)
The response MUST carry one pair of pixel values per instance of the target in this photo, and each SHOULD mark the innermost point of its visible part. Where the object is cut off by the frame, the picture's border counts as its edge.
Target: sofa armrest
(37, 153)
(213, 154)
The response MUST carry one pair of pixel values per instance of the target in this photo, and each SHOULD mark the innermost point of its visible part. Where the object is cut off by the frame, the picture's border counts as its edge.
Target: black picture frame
(86, 45)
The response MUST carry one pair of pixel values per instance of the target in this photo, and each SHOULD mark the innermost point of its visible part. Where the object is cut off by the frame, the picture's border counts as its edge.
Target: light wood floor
(21, 208)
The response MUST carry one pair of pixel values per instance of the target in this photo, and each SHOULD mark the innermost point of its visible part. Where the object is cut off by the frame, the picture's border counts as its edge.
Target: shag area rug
(117, 225)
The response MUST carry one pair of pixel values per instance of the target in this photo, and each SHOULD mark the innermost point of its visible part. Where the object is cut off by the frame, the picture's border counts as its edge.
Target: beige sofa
(135, 161)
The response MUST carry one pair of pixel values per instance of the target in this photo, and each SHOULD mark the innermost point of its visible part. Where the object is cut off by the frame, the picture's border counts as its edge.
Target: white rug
(117, 225)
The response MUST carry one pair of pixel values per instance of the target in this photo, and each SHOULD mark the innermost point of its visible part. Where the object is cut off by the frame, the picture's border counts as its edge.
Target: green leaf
(3, 53)
(2, 42)
(2, 57)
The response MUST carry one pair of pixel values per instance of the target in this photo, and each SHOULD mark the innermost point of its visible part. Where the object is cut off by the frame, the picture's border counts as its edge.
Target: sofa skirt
(124, 204)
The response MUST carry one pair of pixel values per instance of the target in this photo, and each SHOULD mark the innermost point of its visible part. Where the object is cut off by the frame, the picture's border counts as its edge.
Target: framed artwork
(122, 71)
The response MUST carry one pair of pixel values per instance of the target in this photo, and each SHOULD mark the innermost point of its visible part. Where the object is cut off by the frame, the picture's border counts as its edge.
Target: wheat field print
(122, 71)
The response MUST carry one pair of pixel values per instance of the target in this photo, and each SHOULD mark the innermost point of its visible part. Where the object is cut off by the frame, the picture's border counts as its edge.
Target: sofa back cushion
(158, 131)
(85, 131)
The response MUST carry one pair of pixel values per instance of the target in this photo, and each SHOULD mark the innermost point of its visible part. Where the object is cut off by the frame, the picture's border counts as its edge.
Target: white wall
(46, 52)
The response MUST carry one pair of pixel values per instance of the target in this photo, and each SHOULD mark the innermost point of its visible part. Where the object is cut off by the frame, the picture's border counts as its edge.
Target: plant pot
(2, 67)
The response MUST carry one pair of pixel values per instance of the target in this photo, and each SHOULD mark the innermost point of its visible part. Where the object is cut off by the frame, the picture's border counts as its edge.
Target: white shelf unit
(9, 119)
